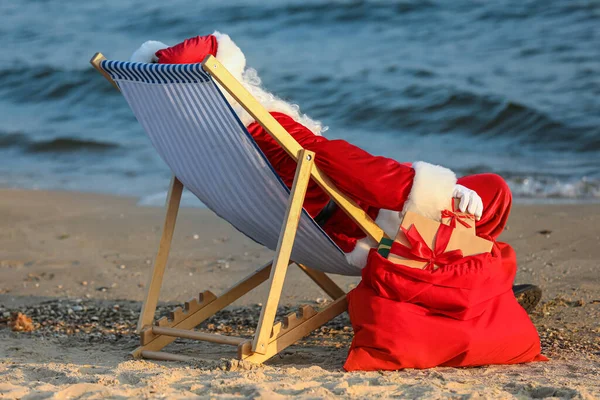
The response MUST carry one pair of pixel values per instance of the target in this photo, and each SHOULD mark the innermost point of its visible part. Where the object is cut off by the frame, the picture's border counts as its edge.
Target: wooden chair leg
(324, 282)
(156, 278)
(284, 251)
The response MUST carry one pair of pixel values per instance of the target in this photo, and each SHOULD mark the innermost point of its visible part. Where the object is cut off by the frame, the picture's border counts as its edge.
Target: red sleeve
(379, 182)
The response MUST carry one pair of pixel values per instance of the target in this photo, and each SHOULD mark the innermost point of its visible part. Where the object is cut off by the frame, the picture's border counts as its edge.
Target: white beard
(272, 103)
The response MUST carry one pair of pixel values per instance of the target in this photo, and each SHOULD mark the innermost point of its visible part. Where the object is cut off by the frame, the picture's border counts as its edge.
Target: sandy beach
(78, 263)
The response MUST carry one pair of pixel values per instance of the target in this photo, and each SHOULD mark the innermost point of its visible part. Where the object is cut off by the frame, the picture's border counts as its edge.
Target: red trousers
(497, 201)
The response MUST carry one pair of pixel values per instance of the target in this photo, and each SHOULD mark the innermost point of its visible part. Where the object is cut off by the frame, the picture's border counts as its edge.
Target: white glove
(469, 201)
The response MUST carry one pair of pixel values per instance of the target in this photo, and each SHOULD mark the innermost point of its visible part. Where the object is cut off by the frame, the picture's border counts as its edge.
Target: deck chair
(210, 152)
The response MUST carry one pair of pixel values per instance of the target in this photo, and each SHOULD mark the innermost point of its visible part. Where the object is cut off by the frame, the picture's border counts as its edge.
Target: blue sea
(507, 86)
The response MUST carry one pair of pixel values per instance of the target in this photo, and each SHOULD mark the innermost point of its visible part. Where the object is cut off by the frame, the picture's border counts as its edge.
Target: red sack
(460, 315)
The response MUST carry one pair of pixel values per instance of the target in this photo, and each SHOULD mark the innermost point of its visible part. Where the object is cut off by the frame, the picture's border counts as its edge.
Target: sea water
(511, 86)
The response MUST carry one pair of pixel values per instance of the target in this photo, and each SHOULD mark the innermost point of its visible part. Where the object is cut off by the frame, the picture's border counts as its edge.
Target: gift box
(457, 219)
(427, 244)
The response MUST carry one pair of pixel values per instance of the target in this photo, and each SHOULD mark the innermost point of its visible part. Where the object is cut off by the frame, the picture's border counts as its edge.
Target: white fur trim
(230, 55)
(389, 221)
(431, 190)
(358, 256)
(146, 52)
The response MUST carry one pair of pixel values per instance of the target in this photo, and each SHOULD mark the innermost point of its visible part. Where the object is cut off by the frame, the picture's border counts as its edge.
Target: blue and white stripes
(197, 134)
(155, 73)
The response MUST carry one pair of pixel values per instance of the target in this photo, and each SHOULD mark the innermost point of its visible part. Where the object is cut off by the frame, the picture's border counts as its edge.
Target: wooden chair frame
(269, 338)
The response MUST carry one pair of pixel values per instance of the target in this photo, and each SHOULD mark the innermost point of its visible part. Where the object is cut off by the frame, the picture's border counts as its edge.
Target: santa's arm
(377, 181)
(383, 182)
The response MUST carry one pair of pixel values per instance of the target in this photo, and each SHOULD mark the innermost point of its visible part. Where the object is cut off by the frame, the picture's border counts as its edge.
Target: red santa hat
(194, 50)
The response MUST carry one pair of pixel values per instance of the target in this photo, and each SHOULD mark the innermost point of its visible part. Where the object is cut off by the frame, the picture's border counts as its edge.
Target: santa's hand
(469, 201)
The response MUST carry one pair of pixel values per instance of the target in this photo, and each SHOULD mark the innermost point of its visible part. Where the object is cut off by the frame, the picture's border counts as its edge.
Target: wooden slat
(95, 61)
(160, 264)
(289, 144)
(196, 318)
(291, 336)
(205, 337)
(324, 282)
(284, 250)
(162, 356)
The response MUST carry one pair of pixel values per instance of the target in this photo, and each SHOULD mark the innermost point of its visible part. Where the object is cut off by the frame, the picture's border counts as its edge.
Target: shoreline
(91, 253)
(190, 201)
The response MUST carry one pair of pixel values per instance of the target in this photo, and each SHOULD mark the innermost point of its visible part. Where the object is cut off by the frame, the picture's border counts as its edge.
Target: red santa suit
(383, 187)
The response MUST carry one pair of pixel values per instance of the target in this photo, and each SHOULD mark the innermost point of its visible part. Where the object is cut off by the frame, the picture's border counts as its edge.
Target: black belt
(326, 213)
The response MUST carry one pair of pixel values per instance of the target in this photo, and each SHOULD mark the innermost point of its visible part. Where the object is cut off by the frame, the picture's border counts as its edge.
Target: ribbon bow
(460, 217)
(420, 251)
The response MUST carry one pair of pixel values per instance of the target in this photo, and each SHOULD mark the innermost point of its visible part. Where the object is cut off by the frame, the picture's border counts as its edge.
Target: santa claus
(383, 187)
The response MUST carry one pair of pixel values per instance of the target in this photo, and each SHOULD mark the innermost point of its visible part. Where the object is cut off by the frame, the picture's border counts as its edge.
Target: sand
(90, 254)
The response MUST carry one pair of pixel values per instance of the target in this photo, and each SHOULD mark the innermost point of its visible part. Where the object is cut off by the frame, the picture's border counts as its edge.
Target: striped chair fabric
(198, 135)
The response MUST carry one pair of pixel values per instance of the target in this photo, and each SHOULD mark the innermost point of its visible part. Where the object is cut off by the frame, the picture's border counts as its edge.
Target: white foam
(159, 199)
(534, 188)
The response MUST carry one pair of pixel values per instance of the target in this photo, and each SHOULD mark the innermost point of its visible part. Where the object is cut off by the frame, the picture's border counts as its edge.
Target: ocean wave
(349, 11)
(56, 145)
(274, 15)
(500, 12)
(422, 107)
(43, 83)
(425, 109)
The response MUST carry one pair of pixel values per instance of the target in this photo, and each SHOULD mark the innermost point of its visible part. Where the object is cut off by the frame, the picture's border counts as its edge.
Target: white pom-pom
(146, 52)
